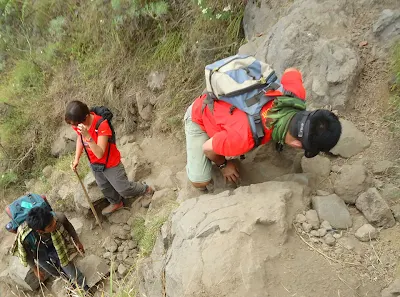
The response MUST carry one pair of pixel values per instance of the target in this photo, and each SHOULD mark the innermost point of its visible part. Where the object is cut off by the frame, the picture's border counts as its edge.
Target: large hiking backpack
(242, 81)
(18, 210)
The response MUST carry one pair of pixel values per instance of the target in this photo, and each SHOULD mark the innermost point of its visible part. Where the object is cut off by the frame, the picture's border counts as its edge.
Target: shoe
(149, 192)
(112, 208)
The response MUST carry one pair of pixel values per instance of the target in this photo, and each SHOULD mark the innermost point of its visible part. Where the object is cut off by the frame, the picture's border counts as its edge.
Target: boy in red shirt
(212, 135)
(104, 156)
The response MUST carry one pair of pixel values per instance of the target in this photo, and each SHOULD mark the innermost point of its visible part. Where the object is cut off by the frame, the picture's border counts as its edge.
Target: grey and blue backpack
(242, 81)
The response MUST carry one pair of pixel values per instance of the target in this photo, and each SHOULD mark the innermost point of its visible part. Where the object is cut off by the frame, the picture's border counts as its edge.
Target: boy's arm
(68, 226)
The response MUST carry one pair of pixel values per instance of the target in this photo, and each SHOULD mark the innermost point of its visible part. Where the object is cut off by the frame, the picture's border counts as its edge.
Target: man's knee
(200, 185)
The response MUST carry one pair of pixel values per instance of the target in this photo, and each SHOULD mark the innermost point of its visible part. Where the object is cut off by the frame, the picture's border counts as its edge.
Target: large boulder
(93, 191)
(65, 142)
(213, 241)
(136, 166)
(19, 275)
(387, 26)
(304, 37)
(350, 182)
(351, 142)
(93, 268)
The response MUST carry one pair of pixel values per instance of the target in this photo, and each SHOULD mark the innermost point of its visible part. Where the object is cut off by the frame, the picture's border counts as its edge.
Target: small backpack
(242, 81)
(18, 210)
(106, 114)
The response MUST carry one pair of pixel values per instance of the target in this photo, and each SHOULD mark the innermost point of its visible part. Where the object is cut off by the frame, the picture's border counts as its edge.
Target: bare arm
(68, 226)
(210, 154)
(99, 148)
(230, 171)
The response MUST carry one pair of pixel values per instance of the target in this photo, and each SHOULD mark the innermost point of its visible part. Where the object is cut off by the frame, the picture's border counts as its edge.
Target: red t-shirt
(104, 130)
(232, 134)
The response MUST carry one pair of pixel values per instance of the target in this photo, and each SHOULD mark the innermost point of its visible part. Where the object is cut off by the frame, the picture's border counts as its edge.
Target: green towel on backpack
(280, 115)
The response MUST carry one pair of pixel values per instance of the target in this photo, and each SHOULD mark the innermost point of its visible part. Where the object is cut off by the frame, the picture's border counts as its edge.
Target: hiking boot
(111, 208)
(149, 192)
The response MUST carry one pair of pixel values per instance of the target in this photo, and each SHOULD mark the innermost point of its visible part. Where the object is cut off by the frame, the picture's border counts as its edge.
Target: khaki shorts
(198, 166)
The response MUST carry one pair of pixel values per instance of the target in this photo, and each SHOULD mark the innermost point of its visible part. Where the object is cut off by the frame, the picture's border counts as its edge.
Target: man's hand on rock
(231, 172)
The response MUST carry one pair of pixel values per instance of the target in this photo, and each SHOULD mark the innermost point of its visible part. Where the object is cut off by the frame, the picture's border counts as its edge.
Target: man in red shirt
(212, 135)
(104, 156)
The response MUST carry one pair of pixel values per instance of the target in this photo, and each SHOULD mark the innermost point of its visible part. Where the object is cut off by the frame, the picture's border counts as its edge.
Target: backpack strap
(109, 143)
(209, 101)
(257, 129)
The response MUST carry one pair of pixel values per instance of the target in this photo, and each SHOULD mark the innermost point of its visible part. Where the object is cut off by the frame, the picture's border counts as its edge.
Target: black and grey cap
(318, 131)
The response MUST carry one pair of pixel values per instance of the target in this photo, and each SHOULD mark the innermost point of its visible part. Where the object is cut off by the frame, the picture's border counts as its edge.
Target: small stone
(312, 218)
(122, 269)
(300, 218)
(322, 232)
(378, 183)
(332, 209)
(329, 239)
(335, 168)
(375, 208)
(351, 182)
(132, 244)
(322, 193)
(326, 225)
(130, 221)
(119, 217)
(130, 261)
(339, 251)
(125, 255)
(314, 240)
(314, 233)
(120, 248)
(337, 235)
(363, 43)
(366, 233)
(111, 246)
(119, 257)
(126, 248)
(352, 244)
(306, 227)
(126, 228)
(325, 247)
(107, 255)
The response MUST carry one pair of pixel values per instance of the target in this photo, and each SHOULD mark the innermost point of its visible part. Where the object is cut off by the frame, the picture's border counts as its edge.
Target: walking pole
(88, 199)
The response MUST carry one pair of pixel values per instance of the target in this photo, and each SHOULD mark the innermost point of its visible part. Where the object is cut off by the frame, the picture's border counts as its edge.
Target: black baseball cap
(318, 131)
